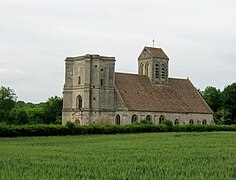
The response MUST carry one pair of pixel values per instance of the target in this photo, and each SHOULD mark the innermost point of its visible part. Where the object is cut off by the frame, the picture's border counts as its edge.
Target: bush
(145, 121)
(167, 122)
(71, 129)
(70, 124)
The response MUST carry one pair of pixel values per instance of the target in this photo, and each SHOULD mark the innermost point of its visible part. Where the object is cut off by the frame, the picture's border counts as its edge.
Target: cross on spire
(153, 42)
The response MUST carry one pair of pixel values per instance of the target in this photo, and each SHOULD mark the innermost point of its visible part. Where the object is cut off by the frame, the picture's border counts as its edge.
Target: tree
(230, 101)
(7, 102)
(222, 116)
(18, 116)
(213, 97)
(53, 109)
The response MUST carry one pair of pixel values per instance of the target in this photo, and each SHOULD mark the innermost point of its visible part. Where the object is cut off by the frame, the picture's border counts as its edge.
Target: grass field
(129, 156)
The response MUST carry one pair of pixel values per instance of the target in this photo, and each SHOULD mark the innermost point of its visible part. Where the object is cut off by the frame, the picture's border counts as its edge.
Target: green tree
(230, 101)
(18, 116)
(53, 109)
(36, 114)
(213, 97)
(7, 102)
(222, 116)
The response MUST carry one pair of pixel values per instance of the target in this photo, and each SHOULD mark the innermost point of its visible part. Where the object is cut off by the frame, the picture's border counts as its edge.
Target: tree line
(20, 112)
(222, 103)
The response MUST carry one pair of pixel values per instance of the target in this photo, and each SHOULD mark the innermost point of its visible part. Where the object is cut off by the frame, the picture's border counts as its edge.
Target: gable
(150, 52)
(145, 54)
(179, 96)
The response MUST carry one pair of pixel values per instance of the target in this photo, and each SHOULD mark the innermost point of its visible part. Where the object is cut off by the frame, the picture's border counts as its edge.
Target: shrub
(72, 129)
(167, 122)
(70, 124)
(179, 128)
(145, 121)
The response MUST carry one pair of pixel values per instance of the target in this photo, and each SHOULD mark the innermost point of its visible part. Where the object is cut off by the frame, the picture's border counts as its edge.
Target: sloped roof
(157, 52)
(139, 94)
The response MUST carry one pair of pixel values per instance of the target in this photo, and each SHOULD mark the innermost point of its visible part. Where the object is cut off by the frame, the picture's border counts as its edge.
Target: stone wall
(183, 118)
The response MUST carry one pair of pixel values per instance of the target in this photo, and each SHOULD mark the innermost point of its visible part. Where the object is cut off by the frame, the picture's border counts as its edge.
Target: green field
(129, 156)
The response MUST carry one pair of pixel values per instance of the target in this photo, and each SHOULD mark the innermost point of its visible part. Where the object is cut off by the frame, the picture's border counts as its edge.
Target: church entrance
(77, 122)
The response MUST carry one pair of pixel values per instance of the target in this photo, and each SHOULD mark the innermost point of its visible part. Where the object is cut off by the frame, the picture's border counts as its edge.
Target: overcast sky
(199, 36)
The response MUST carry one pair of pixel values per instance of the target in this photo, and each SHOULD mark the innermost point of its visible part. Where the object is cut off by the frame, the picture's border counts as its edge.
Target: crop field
(208, 155)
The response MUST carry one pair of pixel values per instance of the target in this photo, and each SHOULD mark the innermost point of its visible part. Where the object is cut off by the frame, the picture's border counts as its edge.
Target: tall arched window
(117, 119)
(149, 117)
(191, 121)
(163, 71)
(146, 68)
(176, 122)
(134, 118)
(161, 118)
(157, 71)
(79, 102)
(79, 80)
(141, 68)
(204, 122)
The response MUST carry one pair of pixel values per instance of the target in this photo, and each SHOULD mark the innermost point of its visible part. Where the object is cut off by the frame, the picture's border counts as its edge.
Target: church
(94, 93)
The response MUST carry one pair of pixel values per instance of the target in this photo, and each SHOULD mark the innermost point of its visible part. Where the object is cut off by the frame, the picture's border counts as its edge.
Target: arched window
(161, 118)
(204, 122)
(134, 118)
(157, 71)
(141, 69)
(191, 121)
(146, 68)
(149, 117)
(176, 122)
(117, 119)
(79, 80)
(163, 71)
(79, 102)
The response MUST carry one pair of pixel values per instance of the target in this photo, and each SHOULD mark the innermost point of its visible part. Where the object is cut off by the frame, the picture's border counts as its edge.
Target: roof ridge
(153, 47)
(129, 73)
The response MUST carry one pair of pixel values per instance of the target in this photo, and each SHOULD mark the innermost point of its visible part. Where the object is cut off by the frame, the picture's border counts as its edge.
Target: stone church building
(95, 94)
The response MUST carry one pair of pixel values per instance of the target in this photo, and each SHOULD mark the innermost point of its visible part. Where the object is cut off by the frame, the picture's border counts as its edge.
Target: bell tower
(153, 62)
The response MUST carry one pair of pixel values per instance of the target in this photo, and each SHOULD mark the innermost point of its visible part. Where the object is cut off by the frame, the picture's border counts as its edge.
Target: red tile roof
(157, 52)
(139, 94)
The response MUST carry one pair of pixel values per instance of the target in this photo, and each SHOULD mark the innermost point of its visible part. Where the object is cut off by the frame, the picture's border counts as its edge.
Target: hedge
(59, 130)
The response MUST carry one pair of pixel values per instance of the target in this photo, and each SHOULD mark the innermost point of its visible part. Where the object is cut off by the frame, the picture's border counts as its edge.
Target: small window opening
(191, 121)
(176, 122)
(149, 117)
(161, 118)
(96, 66)
(101, 82)
(101, 69)
(117, 122)
(204, 122)
(134, 118)
(79, 80)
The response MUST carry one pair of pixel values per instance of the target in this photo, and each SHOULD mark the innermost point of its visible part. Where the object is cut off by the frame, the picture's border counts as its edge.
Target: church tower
(89, 88)
(153, 62)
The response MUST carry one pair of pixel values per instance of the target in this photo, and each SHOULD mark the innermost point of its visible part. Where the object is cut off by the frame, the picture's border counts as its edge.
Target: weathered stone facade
(88, 94)
(94, 94)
